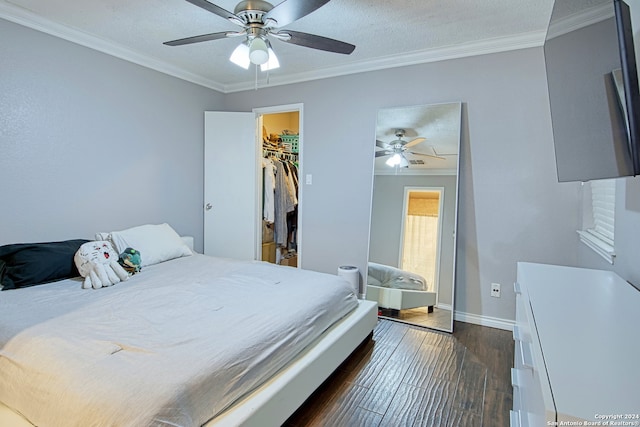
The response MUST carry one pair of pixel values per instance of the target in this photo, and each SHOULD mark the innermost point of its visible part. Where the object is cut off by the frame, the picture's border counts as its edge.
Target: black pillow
(28, 264)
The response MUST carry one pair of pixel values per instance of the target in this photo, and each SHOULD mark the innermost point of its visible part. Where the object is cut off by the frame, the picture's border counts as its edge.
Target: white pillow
(156, 243)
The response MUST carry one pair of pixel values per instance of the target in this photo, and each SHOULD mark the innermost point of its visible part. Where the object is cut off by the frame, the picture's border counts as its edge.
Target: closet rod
(279, 154)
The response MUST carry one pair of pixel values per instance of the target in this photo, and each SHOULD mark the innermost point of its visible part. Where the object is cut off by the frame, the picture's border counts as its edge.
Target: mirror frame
(423, 117)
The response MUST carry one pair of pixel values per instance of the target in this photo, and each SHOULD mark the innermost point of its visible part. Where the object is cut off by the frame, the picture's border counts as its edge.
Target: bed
(395, 289)
(189, 341)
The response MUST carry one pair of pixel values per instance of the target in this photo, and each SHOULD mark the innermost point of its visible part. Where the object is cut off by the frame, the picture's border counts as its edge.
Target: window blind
(600, 236)
(603, 203)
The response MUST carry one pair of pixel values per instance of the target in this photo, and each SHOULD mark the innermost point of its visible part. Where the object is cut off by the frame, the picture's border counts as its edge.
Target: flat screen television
(593, 90)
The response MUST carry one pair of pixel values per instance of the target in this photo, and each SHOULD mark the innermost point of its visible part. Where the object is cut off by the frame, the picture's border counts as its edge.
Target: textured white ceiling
(438, 123)
(386, 33)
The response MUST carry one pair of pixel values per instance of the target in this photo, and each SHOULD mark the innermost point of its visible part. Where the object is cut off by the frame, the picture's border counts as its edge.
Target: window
(421, 233)
(599, 217)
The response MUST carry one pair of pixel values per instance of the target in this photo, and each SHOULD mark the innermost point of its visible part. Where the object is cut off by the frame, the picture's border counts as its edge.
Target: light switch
(308, 179)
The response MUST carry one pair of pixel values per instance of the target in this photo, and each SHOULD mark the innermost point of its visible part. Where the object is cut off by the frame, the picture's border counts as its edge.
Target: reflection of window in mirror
(421, 234)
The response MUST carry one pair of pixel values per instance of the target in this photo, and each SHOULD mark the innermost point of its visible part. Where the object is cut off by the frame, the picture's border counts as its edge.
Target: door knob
(208, 206)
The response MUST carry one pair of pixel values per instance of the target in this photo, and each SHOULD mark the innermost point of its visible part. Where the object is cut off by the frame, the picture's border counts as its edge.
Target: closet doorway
(280, 183)
(235, 150)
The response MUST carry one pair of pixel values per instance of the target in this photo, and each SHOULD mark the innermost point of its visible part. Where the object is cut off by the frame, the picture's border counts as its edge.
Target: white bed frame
(400, 299)
(277, 399)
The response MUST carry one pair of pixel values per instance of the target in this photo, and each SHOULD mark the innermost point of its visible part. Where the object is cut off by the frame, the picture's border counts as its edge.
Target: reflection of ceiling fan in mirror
(259, 19)
(397, 149)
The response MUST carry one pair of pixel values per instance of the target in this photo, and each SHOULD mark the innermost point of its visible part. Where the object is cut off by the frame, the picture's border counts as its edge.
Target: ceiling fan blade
(383, 153)
(210, 7)
(381, 144)
(318, 42)
(426, 155)
(291, 10)
(197, 39)
(414, 142)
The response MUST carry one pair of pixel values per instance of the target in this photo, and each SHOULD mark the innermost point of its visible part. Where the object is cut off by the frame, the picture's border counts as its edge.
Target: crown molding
(26, 18)
(580, 20)
(496, 45)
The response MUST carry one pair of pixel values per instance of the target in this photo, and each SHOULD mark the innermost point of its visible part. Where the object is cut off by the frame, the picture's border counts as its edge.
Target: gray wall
(89, 142)
(511, 206)
(386, 222)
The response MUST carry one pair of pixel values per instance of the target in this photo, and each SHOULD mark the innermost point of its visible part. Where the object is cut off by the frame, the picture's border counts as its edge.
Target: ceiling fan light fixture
(240, 56)
(272, 63)
(258, 51)
(259, 19)
(394, 160)
(399, 160)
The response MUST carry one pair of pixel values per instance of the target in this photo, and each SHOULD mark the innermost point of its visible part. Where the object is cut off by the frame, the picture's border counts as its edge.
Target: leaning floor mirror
(412, 244)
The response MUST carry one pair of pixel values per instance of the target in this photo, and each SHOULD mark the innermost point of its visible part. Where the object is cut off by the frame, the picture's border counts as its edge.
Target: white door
(230, 184)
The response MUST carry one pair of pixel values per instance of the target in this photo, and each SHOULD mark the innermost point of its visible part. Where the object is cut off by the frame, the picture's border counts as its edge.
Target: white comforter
(173, 346)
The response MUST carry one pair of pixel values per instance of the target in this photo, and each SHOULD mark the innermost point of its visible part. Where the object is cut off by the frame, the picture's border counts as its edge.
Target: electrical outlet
(495, 290)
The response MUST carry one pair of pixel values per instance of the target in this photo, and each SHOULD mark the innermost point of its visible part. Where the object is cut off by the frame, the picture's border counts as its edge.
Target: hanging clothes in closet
(269, 186)
(286, 201)
(281, 198)
(292, 217)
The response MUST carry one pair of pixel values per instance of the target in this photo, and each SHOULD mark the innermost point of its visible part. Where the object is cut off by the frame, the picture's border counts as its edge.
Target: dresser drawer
(534, 406)
(523, 353)
(516, 384)
(514, 418)
(519, 419)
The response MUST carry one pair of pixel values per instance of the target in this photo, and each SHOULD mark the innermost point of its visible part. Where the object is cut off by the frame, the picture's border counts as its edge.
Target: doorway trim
(259, 112)
(405, 207)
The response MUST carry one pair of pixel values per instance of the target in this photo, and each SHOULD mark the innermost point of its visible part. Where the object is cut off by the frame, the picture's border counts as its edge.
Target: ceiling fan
(259, 20)
(397, 148)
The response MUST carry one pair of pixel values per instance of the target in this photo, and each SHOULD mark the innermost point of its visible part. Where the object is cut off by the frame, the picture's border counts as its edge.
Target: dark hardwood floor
(411, 376)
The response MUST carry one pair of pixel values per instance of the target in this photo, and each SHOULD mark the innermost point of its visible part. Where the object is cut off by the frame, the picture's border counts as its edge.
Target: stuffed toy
(97, 262)
(130, 260)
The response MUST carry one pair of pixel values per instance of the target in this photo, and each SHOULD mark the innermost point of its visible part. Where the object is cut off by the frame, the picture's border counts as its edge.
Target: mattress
(175, 345)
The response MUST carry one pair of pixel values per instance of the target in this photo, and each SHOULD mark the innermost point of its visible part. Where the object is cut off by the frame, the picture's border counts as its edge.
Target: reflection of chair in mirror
(395, 289)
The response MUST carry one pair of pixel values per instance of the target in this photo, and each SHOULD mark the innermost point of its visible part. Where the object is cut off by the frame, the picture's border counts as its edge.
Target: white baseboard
(492, 322)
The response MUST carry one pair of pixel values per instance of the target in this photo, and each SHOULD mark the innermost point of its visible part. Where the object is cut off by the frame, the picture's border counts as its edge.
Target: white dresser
(577, 348)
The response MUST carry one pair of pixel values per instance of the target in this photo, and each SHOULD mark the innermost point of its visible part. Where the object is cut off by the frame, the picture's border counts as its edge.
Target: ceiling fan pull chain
(256, 83)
